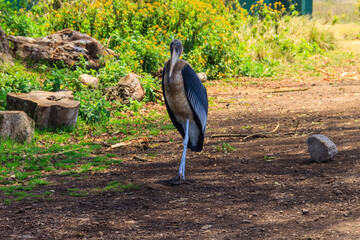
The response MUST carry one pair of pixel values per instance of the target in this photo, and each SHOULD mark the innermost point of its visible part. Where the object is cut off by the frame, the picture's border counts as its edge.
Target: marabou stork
(186, 102)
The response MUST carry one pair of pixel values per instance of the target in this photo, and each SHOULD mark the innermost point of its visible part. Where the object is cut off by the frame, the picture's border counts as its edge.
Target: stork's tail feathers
(199, 145)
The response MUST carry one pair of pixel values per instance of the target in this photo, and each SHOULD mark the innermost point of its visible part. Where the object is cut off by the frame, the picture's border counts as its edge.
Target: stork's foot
(177, 180)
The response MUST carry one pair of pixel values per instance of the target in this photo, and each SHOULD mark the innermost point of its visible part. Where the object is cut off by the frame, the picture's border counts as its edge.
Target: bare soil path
(268, 188)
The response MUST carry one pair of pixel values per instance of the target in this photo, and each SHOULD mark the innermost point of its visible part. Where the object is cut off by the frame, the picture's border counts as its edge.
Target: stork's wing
(178, 125)
(197, 96)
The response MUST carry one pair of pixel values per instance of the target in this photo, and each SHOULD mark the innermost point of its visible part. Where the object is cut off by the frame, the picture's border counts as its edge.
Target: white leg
(183, 157)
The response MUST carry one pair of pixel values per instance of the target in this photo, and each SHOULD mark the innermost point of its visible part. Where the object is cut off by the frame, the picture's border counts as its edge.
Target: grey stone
(16, 125)
(89, 80)
(202, 76)
(321, 148)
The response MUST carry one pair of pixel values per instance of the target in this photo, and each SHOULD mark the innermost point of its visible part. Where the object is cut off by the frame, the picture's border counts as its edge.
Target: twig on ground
(265, 134)
(60, 153)
(247, 136)
(131, 142)
(142, 159)
(262, 134)
(288, 90)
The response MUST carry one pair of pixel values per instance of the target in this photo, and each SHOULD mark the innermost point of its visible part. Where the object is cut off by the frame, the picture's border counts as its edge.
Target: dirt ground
(268, 188)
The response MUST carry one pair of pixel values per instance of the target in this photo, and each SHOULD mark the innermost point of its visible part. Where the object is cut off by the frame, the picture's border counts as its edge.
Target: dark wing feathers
(178, 126)
(197, 96)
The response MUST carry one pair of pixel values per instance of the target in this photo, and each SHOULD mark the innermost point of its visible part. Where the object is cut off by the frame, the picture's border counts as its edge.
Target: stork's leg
(180, 177)
(183, 157)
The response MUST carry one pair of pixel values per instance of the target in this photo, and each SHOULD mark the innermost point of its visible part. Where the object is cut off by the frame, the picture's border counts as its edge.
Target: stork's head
(176, 48)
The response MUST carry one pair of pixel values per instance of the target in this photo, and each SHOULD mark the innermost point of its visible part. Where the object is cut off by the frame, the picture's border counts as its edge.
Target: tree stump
(66, 45)
(50, 110)
(5, 53)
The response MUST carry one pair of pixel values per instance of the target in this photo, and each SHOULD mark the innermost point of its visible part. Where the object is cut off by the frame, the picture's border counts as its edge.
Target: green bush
(221, 40)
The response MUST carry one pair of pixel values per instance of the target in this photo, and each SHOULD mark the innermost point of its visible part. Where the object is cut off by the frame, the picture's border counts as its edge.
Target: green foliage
(93, 107)
(75, 192)
(218, 39)
(225, 148)
(117, 186)
(16, 79)
(269, 158)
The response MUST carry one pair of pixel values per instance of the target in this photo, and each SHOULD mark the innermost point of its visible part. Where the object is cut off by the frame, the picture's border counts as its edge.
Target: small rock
(206, 227)
(305, 212)
(89, 80)
(338, 192)
(346, 214)
(246, 221)
(321, 148)
(202, 76)
(16, 125)
(25, 236)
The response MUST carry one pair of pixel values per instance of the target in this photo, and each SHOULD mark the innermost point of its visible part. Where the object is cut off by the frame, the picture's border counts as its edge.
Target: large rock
(89, 80)
(128, 87)
(50, 110)
(321, 148)
(16, 125)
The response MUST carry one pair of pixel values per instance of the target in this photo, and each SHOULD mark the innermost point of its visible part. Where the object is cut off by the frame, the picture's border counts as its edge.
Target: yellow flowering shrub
(217, 38)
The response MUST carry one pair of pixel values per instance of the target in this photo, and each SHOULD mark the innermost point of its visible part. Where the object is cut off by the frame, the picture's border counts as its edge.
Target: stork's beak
(174, 58)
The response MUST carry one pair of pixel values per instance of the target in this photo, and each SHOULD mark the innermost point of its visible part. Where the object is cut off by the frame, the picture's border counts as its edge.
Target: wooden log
(66, 45)
(50, 110)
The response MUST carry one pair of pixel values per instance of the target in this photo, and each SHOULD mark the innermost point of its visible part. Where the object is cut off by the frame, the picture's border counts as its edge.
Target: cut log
(5, 53)
(66, 45)
(16, 125)
(50, 110)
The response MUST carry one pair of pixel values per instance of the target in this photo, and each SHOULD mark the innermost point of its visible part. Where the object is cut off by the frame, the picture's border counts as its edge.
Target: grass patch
(75, 192)
(117, 186)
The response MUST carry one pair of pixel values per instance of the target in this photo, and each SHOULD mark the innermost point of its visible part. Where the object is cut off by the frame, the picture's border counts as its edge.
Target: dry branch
(60, 153)
(265, 134)
(248, 136)
(288, 90)
(135, 141)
